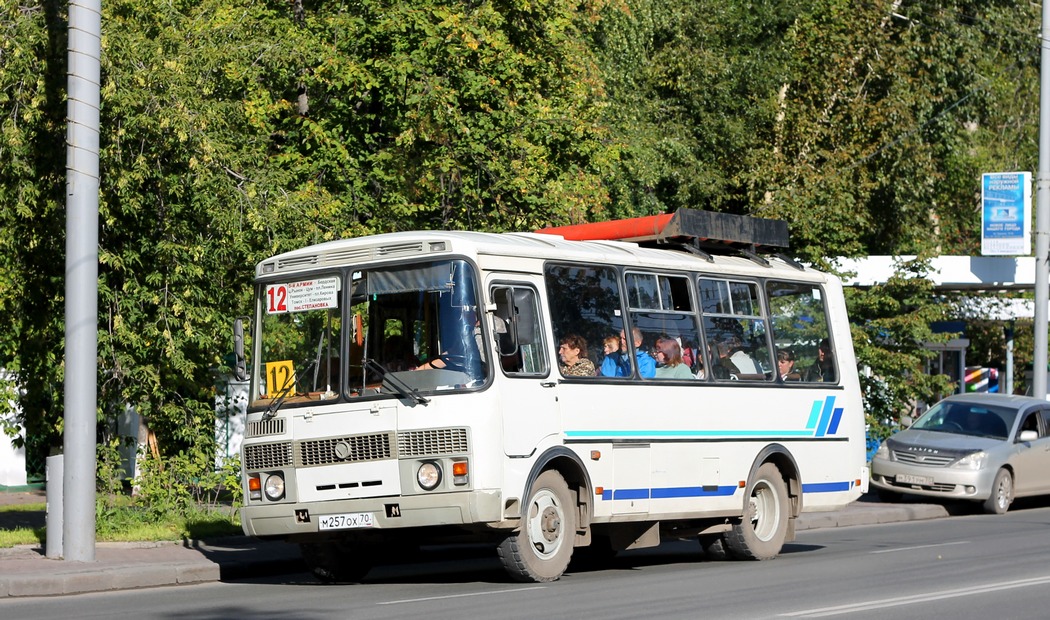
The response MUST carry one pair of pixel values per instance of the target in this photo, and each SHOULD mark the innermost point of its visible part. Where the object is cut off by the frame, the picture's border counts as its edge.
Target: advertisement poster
(1006, 214)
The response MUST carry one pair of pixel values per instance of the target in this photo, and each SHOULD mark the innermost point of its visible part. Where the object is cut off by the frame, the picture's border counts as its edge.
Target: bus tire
(540, 550)
(336, 562)
(763, 528)
(714, 547)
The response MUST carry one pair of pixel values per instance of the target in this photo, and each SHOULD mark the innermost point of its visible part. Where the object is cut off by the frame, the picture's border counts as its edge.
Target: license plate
(909, 479)
(346, 521)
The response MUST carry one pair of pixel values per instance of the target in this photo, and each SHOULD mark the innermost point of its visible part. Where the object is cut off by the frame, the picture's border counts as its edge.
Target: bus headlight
(274, 487)
(429, 475)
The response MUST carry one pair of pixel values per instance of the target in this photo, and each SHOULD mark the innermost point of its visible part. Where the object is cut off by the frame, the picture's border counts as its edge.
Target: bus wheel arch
(782, 458)
(772, 501)
(555, 515)
(567, 463)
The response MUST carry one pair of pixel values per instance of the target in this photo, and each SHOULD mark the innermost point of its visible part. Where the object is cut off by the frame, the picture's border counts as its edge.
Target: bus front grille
(432, 442)
(262, 428)
(351, 449)
(267, 455)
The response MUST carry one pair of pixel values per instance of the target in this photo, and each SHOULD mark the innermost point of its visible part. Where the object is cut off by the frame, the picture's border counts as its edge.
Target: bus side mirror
(239, 369)
(507, 332)
(524, 316)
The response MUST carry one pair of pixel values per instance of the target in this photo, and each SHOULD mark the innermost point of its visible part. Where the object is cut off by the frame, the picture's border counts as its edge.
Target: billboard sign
(1006, 214)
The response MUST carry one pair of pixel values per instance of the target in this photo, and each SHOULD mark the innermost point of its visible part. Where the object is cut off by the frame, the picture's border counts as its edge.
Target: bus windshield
(341, 336)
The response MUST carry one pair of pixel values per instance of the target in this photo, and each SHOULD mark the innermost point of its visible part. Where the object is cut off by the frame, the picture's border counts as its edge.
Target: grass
(128, 524)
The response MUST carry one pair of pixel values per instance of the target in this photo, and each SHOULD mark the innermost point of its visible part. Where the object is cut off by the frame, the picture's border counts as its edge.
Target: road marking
(958, 542)
(439, 598)
(917, 598)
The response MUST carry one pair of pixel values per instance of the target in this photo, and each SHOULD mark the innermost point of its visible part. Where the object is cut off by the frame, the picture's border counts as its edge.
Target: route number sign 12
(319, 294)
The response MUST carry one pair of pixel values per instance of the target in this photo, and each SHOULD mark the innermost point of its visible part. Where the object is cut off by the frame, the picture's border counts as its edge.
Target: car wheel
(1002, 494)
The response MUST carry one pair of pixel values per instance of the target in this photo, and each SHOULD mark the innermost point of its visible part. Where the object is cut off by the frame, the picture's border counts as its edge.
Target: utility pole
(1042, 212)
(82, 184)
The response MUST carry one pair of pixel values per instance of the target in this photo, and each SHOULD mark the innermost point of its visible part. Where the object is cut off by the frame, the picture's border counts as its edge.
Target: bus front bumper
(291, 519)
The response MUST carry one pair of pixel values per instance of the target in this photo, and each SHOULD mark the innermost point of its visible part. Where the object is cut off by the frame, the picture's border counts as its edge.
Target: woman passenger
(573, 354)
(669, 358)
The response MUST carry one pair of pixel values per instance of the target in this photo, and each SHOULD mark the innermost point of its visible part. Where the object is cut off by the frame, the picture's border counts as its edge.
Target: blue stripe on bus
(814, 415)
(667, 493)
(827, 487)
(834, 426)
(687, 433)
(825, 416)
(721, 491)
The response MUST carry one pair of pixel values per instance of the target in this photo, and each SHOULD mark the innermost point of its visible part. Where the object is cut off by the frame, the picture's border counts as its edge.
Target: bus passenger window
(667, 335)
(585, 302)
(800, 325)
(736, 331)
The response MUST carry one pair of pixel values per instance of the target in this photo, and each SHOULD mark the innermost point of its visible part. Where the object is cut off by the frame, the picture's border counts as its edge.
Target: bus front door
(527, 388)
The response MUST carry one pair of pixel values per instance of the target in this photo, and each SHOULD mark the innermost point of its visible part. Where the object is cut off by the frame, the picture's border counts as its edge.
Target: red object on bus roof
(633, 229)
(706, 228)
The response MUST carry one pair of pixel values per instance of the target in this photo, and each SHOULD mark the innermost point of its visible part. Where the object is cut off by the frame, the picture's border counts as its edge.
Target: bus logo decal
(824, 417)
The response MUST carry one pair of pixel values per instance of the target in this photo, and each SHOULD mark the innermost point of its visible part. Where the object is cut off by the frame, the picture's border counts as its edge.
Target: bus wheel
(714, 546)
(761, 532)
(541, 548)
(337, 562)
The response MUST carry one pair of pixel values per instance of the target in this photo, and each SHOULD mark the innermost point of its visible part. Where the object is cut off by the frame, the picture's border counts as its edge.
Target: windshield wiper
(402, 388)
(283, 393)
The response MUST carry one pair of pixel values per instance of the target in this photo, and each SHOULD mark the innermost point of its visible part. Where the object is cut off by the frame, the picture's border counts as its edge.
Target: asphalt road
(971, 566)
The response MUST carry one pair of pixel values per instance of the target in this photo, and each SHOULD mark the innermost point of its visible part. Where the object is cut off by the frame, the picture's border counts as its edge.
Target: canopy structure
(701, 230)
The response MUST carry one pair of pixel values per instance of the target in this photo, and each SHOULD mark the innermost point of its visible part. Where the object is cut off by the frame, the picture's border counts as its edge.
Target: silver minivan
(988, 448)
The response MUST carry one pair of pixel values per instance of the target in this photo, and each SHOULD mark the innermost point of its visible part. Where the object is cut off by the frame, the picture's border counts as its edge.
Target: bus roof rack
(706, 231)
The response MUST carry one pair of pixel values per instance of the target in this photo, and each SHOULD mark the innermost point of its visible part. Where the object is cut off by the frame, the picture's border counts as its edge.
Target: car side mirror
(1027, 436)
(906, 421)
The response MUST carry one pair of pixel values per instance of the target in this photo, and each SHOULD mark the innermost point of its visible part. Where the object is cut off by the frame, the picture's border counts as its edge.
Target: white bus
(413, 387)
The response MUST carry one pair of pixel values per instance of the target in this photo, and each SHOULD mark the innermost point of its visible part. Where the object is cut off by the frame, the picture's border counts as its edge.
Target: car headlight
(972, 461)
(429, 475)
(883, 452)
(274, 487)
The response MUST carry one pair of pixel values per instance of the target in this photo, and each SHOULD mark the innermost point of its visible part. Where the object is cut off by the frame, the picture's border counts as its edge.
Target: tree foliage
(236, 129)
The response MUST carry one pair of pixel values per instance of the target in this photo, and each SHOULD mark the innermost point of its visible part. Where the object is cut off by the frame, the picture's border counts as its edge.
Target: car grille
(927, 460)
(936, 487)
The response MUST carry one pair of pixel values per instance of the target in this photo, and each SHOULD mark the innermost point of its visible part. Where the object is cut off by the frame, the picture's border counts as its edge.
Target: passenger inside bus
(740, 358)
(669, 358)
(611, 346)
(824, 368)
(622, 362)
(786, 366)
(573, 354)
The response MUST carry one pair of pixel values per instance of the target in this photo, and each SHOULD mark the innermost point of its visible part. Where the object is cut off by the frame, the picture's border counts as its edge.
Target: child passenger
(612, 351)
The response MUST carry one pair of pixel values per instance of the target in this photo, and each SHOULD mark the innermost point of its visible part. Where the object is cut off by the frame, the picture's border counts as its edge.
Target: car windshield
(963, 418)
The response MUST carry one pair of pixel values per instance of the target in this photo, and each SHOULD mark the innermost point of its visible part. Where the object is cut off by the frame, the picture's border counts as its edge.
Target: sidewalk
(24, 571)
